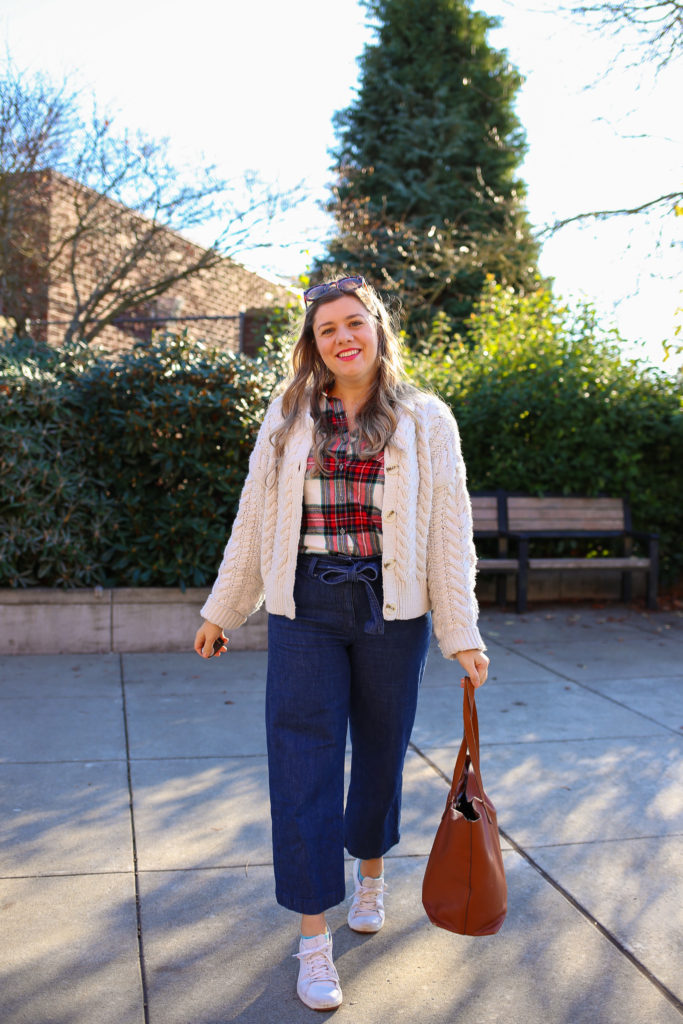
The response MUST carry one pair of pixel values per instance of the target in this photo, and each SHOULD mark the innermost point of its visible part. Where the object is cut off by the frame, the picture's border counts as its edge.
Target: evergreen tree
(426, 199)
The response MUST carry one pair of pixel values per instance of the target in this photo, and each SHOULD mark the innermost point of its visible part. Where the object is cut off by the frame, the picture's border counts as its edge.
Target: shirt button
(391, 514)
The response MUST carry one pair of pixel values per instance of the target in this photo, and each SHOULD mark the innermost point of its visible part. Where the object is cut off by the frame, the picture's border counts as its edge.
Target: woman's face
(346, 337)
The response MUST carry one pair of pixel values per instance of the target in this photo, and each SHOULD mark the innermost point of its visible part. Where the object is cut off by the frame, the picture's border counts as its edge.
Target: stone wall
(90, 621)
(94, 621)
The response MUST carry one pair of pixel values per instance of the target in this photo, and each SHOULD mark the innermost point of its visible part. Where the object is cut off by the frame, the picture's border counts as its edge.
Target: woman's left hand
(476, 664)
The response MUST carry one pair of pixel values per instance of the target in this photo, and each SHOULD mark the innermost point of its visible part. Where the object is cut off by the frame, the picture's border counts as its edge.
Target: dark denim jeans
(337, 665)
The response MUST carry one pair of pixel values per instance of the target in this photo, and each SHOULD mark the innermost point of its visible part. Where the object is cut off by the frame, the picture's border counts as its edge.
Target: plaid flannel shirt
(342, 509)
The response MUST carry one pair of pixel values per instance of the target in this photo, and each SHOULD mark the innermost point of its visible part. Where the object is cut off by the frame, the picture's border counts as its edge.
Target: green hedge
(546, 403)
(54, 506)
(124, 473)
(128, 473)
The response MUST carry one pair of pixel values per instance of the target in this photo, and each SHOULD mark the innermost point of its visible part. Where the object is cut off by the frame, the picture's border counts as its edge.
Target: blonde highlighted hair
(309, 379)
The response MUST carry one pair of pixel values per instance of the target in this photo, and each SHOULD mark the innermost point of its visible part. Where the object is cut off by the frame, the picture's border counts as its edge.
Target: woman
(355, 524)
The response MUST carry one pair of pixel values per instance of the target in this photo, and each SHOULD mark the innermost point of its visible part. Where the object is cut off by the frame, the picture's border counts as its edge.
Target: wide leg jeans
(337, 666)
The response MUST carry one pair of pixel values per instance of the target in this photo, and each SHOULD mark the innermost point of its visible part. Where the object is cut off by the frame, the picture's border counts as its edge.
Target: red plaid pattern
(342, 510)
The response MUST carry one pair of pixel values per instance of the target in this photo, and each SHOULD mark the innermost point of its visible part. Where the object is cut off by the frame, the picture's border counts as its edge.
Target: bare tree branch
(658, 24)
(653, 31)
(667, 202)
(85, 205)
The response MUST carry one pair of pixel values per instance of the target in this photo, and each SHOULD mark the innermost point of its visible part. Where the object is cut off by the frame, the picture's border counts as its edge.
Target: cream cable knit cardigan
(428, 559)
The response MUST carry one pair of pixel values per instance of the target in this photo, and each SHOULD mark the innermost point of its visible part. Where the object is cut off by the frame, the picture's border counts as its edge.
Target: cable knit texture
(428, 558)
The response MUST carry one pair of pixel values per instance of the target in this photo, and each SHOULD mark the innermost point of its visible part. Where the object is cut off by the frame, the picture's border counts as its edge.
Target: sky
(254, 86)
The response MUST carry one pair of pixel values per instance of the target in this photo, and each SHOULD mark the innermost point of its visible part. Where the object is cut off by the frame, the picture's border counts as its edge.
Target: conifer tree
(426, 198)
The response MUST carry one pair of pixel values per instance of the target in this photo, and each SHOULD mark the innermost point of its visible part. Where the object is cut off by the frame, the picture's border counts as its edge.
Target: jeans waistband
(335, 569)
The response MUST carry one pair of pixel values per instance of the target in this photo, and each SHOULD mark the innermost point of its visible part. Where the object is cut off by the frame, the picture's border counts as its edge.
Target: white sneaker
(367, 906)
(318, 984)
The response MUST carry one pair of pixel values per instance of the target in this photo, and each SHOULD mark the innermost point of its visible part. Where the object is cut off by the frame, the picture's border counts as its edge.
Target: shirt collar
(402, 436)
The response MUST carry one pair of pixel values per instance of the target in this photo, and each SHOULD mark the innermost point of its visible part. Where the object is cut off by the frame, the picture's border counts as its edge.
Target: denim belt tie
(358, 573)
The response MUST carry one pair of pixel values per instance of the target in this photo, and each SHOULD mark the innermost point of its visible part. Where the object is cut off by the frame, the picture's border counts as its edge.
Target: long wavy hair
(309, 378)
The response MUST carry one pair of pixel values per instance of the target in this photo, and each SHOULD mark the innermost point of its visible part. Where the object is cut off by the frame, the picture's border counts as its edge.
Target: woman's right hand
(205, 638)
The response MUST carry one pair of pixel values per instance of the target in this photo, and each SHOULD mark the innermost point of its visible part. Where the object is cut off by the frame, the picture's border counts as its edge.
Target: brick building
(224, 304)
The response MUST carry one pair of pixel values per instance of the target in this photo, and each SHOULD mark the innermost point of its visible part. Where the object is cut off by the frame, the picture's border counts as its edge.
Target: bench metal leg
(502, 579)
(522, 576)
(653, 575)
(626, 586)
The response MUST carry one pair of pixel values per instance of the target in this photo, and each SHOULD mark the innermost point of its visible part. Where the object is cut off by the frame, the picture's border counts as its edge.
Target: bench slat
(528, 514)
(497, 564)
(589, 563)
(563, 501)
(485, 525)
(558, 525)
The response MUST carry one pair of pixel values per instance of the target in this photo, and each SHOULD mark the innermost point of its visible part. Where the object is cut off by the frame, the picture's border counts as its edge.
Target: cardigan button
(391, 469)
(390, 563)
(391, 514)
(389, 608)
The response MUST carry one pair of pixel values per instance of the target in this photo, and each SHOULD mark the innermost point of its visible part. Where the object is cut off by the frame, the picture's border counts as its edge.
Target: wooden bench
(523, 520)
(531, 519)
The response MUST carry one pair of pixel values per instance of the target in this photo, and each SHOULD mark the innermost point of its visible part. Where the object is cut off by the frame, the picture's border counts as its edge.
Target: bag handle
(469, 748)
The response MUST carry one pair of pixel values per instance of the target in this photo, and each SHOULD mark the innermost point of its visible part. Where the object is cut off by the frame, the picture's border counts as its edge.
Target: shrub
(126, 473)
(546, 402)
(173, 425)
(53, 503)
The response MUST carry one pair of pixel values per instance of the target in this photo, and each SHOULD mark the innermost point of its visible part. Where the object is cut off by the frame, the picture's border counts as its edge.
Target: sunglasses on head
(343, 284)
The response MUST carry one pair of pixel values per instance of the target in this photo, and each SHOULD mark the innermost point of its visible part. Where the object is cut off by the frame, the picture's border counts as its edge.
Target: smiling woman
(355, 525)
(371, 384)
(346, 338)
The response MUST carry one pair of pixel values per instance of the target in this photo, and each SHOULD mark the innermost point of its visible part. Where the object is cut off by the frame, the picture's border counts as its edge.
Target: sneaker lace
(366, 896)
(318, 963)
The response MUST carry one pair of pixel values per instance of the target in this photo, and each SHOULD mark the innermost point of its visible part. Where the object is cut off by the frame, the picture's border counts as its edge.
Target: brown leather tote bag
(464, 888)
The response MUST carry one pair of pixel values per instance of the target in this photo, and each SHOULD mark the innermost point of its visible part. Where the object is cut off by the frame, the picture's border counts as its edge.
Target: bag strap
(469, 748)
(471, 721)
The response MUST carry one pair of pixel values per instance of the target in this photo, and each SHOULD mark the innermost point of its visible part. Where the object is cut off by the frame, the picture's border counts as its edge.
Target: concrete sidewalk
(135, 865)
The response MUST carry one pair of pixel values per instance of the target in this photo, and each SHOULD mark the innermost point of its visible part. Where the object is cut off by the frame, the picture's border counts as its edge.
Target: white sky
(253, 84)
